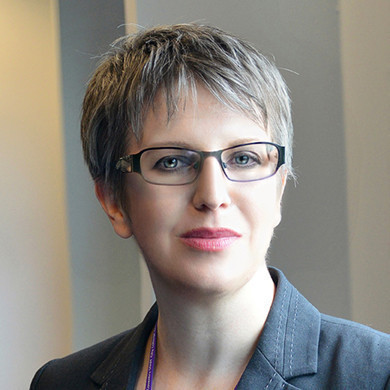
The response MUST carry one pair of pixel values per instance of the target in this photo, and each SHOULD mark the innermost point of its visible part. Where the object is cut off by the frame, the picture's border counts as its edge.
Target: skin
(204, 296)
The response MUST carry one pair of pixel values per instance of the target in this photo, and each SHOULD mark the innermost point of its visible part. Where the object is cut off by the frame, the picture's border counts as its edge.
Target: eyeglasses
(175, 166)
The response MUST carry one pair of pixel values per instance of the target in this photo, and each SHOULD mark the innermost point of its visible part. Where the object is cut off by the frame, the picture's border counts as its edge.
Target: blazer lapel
(260, 374)
(120, 369)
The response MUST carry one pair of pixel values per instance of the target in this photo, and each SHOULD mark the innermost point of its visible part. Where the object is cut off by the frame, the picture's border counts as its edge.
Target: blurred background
(67, 281)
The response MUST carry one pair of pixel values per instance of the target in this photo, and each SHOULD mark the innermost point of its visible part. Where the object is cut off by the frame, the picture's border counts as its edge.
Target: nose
(211, 190)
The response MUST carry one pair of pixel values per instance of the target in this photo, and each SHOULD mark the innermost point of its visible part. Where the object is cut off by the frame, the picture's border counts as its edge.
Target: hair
(175, 59)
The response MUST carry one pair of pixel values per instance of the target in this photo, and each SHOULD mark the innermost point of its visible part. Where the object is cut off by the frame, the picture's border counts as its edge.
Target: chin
(210, 283)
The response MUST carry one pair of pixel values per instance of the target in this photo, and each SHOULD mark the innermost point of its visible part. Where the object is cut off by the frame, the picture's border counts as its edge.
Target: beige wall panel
(365, 37)
(35, 307)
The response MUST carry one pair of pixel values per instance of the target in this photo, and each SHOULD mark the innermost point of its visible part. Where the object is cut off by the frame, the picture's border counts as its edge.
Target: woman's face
(211, 235)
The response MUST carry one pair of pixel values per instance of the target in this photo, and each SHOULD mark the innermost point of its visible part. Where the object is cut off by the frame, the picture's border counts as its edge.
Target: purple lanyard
(152, 357)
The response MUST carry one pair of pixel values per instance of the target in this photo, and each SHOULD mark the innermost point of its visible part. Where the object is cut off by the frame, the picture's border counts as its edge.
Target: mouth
(210, 239)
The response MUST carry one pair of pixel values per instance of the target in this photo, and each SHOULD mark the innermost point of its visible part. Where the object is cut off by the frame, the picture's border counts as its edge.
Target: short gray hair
(175, 59)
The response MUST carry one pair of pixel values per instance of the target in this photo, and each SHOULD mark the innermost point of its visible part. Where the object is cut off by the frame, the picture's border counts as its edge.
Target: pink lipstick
(210, 239)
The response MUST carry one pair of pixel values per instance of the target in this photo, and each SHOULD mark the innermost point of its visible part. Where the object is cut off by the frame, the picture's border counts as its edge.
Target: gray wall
(104, 268)
(311, 244)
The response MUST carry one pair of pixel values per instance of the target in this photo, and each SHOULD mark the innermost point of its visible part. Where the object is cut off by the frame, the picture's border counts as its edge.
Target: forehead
(200, 121)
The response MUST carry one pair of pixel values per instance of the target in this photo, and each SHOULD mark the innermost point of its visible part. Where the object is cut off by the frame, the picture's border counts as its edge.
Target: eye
(173, 163)
(170, 162)
(243, 159)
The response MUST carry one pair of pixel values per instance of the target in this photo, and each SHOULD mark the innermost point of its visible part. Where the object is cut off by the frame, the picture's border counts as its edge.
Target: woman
(187, 134)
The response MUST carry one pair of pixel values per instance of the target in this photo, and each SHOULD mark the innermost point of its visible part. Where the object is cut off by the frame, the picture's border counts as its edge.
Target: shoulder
(74, 371)
(355, 352)
(108, 364)
(321, 351)
(351, 337)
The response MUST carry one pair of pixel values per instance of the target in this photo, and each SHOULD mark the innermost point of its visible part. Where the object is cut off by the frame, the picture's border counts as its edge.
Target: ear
(117, 217)
(281, 185)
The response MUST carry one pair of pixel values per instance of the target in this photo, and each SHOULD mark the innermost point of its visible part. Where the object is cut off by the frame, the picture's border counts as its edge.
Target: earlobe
(116, 215)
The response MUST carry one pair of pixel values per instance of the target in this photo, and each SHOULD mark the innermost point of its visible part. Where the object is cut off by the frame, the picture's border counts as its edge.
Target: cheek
(151, 207)
(265, 216)
(261, 205)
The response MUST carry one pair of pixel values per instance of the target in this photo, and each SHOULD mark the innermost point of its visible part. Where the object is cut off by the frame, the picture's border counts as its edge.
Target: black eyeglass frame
(132, 162)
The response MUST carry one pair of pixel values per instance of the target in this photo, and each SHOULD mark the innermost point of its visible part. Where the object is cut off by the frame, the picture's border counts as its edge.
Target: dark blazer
(298, 349)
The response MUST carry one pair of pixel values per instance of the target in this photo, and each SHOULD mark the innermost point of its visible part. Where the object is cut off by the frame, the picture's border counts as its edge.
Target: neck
(206, 336)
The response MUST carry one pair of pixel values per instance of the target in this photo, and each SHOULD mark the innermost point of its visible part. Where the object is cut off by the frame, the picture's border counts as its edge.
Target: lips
(210, 239)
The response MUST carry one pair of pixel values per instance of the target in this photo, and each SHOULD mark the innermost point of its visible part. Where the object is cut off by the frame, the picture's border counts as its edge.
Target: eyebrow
(186, 145)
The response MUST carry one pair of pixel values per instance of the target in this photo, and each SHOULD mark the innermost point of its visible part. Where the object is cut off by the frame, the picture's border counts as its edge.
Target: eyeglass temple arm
(281, 155)
(128, 164)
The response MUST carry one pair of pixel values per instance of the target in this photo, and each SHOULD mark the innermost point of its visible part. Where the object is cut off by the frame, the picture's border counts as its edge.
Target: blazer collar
(288, 346)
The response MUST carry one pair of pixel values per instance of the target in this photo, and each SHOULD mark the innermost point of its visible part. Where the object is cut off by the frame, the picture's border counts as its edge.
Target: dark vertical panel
(105, 274)
(311, 244)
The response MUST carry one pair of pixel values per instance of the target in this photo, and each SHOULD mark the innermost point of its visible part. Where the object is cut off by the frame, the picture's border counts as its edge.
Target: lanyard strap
(152, 357)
